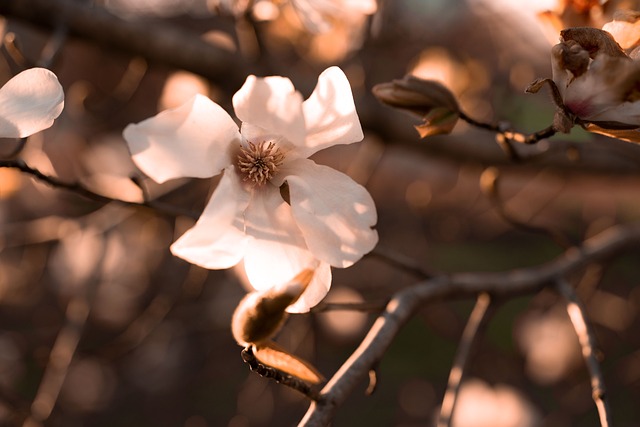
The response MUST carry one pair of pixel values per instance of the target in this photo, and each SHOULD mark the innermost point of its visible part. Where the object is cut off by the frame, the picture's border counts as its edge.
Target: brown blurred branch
(476, 321)
(405, 303)
(587, 339)
(64, 349)
(85, 192)
(154, 41)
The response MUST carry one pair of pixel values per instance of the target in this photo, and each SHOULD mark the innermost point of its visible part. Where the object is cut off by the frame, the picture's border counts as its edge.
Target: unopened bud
(427, 99)
(260, 315)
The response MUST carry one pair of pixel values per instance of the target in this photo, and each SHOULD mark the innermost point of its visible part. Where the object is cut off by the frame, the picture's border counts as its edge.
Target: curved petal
(218, 240)
(277, 251)
(273, 104)
(330, 113)
(29, 103)
(316, 290)
(626, 112)
(196, 140)
(334, 213)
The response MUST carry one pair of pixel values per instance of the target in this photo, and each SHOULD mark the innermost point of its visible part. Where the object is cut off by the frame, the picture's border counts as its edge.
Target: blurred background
(101, 326)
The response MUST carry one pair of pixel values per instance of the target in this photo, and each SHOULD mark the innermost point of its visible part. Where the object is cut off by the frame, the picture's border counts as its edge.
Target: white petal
(330, 113)
(196, 140)
(334, 213)
(626, 112)
(315, 292)
(29, 103)
(218, 240)
(277, 251)
(273, 104)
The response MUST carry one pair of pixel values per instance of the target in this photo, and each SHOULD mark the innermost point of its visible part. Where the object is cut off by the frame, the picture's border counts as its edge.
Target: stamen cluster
(259, 162)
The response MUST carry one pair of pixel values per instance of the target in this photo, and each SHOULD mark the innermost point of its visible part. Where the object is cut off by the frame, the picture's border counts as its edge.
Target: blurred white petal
(29, 103)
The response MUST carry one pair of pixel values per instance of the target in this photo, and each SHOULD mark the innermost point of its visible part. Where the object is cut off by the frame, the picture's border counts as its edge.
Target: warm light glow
(480, 405)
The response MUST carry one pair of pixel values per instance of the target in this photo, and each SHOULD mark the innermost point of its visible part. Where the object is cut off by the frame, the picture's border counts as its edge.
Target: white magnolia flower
(29, 103)
(274, 208)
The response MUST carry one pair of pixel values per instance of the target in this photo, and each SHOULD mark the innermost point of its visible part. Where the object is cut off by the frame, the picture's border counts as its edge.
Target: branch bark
(407, 301)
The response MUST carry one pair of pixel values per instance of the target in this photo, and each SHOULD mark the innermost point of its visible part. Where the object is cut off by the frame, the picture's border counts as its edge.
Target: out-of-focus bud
(625, 28)
(595, 84)
(260, 315)
(427, 99)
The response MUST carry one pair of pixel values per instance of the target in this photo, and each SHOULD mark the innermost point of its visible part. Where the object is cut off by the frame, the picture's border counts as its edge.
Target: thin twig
(406, 302)
(85, 192)
(368, 306)
(405, 263)
(63, 350)
(490, 186)
(587, 339)
(476, 321)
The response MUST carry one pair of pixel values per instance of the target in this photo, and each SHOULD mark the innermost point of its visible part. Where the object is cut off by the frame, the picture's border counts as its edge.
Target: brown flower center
(259, 162)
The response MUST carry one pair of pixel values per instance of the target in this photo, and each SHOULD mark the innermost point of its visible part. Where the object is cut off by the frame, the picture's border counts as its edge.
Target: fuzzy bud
(427, 99)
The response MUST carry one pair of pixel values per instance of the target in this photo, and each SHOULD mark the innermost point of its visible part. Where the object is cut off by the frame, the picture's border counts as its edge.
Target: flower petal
(330, 114)
(316, 290)
(194, 140)
(273, 104)
(334, 213)
(218, 240)
(29, 103)
(277, 251)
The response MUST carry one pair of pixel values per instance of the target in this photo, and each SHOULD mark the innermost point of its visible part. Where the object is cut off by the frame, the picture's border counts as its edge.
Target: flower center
(259, 162)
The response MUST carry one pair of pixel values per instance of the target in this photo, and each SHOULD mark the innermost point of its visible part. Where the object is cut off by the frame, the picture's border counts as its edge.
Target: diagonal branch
(587, 339)
(477, 320)
(85, 192)
(406, 302)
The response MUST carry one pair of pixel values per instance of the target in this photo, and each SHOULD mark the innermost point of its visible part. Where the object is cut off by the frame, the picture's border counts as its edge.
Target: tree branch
(85, 192)
(407, 301)
(155, 41)
(476, 321)
(587, 339)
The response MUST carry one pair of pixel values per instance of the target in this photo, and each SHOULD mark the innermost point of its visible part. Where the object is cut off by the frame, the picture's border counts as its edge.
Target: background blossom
(29, 103)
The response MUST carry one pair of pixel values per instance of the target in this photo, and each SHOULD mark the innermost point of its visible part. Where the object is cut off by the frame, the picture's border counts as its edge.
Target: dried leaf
(629, 135)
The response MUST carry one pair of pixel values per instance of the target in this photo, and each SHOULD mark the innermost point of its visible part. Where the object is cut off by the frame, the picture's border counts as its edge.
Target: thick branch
(405, 303)
(154, 41)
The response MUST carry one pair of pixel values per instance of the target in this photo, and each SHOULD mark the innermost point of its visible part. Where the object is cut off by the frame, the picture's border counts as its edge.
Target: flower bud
(427, 99)
(260, 315)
